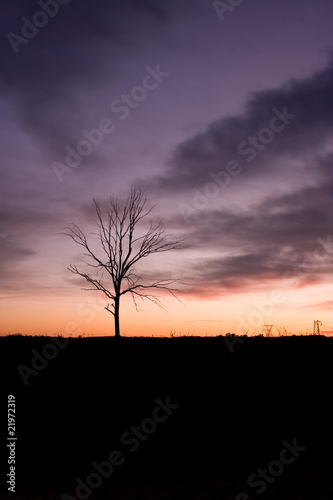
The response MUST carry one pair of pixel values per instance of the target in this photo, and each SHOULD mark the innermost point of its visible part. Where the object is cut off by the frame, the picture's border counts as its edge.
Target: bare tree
(121, 250)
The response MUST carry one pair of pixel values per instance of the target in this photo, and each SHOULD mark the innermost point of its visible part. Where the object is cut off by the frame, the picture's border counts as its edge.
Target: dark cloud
(288, 236)
(15, 255)
(301, 216)
(273, 213)
(249, 238)
(310, 101)
(53, 81)
(152, 8)
(29, 223)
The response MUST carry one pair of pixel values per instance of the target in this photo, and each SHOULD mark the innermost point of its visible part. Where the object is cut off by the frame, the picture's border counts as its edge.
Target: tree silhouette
(122, 249)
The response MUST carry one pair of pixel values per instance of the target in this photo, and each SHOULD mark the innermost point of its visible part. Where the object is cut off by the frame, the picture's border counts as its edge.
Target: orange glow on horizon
(84, 314)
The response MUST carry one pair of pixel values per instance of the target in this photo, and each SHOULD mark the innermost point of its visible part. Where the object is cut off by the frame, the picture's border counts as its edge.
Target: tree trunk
(116, 317)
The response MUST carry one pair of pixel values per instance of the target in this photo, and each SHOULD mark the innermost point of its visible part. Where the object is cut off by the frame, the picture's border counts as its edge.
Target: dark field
(180, 418)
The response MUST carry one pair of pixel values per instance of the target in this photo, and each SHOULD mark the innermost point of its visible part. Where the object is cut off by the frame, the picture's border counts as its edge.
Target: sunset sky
(224, 117)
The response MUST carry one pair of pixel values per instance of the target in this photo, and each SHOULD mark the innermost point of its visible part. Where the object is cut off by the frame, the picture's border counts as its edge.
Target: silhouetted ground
(231, 413)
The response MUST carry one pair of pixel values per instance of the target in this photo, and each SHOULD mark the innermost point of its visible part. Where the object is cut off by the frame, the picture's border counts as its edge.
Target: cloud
(283, 237)
(57, 81)
(265, 225)
(326, 305)
(152, 8)
(310, 101)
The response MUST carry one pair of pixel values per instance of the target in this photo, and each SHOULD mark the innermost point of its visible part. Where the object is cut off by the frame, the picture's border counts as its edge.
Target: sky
(221, 111)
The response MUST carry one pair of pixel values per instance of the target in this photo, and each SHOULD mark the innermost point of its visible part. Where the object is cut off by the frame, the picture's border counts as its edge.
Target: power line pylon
(316, 327)
(268, 330)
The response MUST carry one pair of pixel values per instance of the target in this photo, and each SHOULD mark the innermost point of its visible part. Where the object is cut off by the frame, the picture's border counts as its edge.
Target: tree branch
(123, 249)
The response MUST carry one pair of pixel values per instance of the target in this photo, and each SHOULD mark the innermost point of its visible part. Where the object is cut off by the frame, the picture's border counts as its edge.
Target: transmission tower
(268, 330)
(316, 327)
